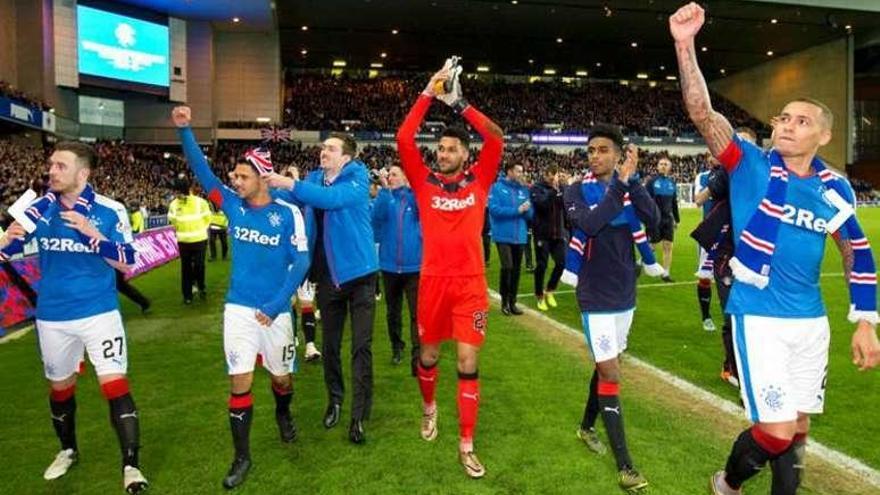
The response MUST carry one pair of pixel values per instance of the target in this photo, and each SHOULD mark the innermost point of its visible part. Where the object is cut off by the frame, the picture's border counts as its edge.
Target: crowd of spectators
(147, 176)
(10, 91)
(380, 104)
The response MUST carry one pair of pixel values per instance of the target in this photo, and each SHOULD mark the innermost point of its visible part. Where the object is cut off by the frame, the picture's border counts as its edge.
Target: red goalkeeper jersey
(451, 210)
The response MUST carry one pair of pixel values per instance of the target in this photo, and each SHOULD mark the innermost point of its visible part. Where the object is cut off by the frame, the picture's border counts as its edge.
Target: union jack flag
(275, 134)
(261, 159)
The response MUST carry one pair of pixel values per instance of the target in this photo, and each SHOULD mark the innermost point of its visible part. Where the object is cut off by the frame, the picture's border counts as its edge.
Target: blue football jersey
(701, 182)
(270, 248)
(76, 282)
(663, 186)
(793, 291)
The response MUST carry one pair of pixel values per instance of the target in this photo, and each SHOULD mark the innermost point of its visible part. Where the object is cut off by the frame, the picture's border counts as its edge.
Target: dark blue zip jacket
(396, 221)
(508, 225)
(347, 227)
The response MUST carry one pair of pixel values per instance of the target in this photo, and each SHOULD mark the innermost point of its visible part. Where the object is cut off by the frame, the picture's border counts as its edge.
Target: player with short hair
(784, 203)
(604, 208)
(453, 295)
(83, 238)
(270, 258)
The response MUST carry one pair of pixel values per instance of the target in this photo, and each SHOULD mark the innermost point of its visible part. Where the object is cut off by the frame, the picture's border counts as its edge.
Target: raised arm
(486, 167)
(217, 192)
(714, 127)
(410, 156)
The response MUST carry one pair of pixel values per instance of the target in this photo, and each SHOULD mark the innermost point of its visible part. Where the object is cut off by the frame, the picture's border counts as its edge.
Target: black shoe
(237, 473)
(286, 427)
(530, 269)
(331, 416)
(666, 279)
(187, 301)
(505, 308)
(146, 307)
(395, 357)
(514, 310)
(356, 431)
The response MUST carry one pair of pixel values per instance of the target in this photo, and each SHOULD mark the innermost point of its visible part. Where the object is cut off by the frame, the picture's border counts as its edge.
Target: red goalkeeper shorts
(453, 308)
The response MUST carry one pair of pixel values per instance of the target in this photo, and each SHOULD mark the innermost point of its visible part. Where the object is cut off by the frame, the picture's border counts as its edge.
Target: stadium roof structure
(603, 39)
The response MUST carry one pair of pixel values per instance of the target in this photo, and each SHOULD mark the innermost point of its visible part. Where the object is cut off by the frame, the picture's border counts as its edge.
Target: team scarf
(121, 252)
(592, 191)
(753, 260)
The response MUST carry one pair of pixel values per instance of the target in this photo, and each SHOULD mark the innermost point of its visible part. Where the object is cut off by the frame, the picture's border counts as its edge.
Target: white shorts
(607, 333)
(783, 363)
(704, 264)
(244, 338)
(102, 336)
(306, 292)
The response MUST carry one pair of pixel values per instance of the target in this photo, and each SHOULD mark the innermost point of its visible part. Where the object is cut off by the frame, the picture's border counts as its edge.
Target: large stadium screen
(122, 48)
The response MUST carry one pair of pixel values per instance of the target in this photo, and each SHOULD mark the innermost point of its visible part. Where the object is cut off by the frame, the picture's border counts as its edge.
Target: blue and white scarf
(752, 263)
(121, 252)
(593, 190)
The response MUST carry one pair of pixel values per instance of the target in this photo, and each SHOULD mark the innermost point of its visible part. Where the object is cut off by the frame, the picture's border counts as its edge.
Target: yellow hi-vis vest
(190, 217)
(137, 222)
(219, 222)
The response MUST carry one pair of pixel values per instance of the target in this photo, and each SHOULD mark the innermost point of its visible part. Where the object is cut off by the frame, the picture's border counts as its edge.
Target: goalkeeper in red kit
(453, 295)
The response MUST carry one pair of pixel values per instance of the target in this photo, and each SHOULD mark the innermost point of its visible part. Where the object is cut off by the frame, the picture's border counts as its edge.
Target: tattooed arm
(846, 254)
(714, 127)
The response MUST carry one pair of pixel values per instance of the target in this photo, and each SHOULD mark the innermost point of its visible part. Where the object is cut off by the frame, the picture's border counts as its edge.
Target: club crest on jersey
(453, 204)
(773, 397)
(95, 221)
(274, 219)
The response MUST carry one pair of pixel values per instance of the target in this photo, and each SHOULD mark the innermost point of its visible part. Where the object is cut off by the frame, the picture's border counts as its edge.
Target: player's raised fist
(686, 22)
(181, 116)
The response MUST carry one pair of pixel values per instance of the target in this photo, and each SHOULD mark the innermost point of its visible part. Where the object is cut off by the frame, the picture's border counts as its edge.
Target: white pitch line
(16, 335)
(827, 454)
(647, 286)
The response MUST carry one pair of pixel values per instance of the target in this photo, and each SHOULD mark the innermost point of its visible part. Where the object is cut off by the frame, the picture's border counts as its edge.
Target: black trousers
(216, 235)
(544, 249)
(396, 285)
(130, 291)
(192, 267)
(528, 250)
(510, 256)
(487, 248)
(723, 291)
(358, 297)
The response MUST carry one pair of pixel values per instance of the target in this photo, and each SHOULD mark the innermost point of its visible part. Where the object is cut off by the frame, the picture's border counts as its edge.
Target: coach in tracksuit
(344, 266)
(509, 211)
(396, 220)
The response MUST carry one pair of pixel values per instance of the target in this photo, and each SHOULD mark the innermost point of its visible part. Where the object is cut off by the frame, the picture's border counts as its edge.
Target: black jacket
(549, 221)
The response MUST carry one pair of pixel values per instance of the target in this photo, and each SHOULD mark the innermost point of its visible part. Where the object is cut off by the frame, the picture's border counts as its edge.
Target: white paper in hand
(16, 211)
